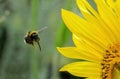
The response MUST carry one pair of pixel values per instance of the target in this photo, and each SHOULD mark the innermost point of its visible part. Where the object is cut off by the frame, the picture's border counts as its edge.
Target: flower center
(110, 61)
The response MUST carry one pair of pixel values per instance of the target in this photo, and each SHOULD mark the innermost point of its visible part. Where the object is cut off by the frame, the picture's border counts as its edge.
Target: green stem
(35, 8)
(34, 64)
(62, 38)
(34, 53)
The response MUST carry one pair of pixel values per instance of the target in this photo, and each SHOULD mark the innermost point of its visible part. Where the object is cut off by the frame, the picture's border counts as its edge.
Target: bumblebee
(32, 36)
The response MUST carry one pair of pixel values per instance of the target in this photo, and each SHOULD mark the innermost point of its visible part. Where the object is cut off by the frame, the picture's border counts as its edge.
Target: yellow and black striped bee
(32, 36)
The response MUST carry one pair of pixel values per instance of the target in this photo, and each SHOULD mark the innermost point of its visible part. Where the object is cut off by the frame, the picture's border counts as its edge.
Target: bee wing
(42, 29)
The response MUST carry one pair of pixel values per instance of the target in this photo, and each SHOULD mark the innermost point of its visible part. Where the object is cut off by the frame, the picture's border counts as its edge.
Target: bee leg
(32, 44)
(39, 45)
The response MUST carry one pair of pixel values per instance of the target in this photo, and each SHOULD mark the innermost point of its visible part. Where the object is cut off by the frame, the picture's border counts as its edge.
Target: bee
(33, 36)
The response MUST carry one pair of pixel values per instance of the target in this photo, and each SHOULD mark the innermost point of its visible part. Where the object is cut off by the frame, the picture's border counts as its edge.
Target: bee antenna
(42, 29)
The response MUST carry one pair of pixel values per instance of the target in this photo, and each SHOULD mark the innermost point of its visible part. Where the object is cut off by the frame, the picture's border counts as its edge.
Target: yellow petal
(83, 69)
(95, 21)
(113, 5)
(85, 54)
(80, 43)
(109, 17)
(118, 6)
(84, 6)
(84, 30)
(93, 78)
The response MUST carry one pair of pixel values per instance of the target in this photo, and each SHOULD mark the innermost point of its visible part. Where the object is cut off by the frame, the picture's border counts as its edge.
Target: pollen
(110, 60)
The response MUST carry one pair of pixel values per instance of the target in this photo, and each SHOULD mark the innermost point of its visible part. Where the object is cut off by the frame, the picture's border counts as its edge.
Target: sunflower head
(96, 38)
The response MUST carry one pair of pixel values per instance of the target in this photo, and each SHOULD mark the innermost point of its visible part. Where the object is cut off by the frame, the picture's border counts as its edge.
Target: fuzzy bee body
(31, 37)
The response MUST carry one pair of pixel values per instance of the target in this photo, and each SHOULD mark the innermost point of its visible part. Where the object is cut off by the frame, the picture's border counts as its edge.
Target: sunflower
(96, 36)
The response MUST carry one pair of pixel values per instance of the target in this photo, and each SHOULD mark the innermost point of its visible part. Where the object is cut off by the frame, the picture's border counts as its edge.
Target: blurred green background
(22, 61)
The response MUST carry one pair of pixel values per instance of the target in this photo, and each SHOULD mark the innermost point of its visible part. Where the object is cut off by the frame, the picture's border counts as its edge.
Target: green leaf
(63, 35)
